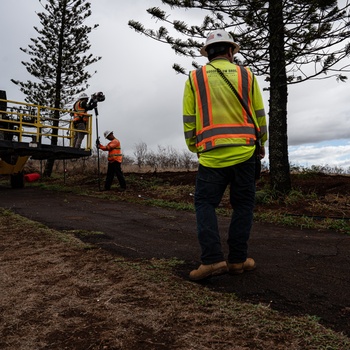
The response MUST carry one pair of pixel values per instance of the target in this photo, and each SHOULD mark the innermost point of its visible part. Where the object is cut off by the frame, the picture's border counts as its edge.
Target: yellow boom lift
(26, 131)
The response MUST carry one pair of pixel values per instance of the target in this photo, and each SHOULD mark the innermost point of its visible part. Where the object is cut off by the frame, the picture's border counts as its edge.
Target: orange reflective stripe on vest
(201, 82)
(211, 132)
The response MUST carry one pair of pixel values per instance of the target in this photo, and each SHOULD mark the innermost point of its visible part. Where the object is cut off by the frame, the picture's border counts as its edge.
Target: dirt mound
(300, 271)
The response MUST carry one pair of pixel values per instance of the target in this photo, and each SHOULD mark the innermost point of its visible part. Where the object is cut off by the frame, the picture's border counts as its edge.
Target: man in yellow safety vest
(224, 119)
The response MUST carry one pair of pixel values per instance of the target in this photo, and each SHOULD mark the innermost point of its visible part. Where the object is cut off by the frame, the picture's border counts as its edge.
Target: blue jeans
(211, 184)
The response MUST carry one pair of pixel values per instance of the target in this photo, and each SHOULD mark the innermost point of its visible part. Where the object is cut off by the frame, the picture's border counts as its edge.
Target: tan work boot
(204, 271)
(238, 268)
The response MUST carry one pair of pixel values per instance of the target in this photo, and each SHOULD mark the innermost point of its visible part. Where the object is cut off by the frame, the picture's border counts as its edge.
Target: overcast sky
(144, 94)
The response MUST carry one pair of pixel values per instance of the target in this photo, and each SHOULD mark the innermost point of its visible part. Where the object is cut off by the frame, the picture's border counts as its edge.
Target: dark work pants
(114, 168)
(210, 187)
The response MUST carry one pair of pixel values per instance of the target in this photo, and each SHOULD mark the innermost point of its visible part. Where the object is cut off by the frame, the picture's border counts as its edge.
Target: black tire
(17, 180)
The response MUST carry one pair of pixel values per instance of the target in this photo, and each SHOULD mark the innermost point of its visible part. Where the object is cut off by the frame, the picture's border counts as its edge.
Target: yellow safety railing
(25, 122)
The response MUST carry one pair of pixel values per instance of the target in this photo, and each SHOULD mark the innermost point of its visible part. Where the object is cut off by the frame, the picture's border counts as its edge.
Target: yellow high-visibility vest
(216, 125)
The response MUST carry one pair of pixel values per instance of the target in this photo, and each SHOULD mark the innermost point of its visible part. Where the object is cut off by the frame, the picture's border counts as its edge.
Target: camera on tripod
(98, 97)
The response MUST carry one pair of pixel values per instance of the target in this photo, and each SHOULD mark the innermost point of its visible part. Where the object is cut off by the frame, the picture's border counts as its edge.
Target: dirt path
(299, 271)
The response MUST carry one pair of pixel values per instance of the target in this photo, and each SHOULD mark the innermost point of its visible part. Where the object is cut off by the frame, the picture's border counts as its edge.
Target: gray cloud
(144, 94)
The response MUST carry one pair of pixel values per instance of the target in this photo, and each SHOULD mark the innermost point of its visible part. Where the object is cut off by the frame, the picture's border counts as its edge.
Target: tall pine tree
(288, 41)
(58, 57)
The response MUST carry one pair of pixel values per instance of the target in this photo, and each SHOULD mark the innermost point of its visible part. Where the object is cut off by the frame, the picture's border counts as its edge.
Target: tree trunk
(51, 161)
(278, 139)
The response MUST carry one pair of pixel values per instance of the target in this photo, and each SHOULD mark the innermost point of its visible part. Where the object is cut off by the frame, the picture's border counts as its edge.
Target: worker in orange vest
(115, 159)
(81, 118)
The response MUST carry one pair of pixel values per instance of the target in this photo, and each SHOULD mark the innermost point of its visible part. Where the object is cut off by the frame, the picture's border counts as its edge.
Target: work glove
(98, 143)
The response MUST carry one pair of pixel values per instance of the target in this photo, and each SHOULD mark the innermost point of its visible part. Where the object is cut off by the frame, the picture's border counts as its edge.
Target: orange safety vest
(214, 129)
(78, 116)
(114, 151)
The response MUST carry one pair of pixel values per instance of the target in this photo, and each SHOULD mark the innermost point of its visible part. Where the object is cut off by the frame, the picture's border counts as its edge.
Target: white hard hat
(107, 133)
(83, 95)
(219, 36)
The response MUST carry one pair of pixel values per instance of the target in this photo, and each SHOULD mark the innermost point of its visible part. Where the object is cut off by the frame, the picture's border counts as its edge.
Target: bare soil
(61, 295)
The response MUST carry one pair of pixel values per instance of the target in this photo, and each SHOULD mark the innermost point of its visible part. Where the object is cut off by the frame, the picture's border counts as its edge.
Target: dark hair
(217, 49)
